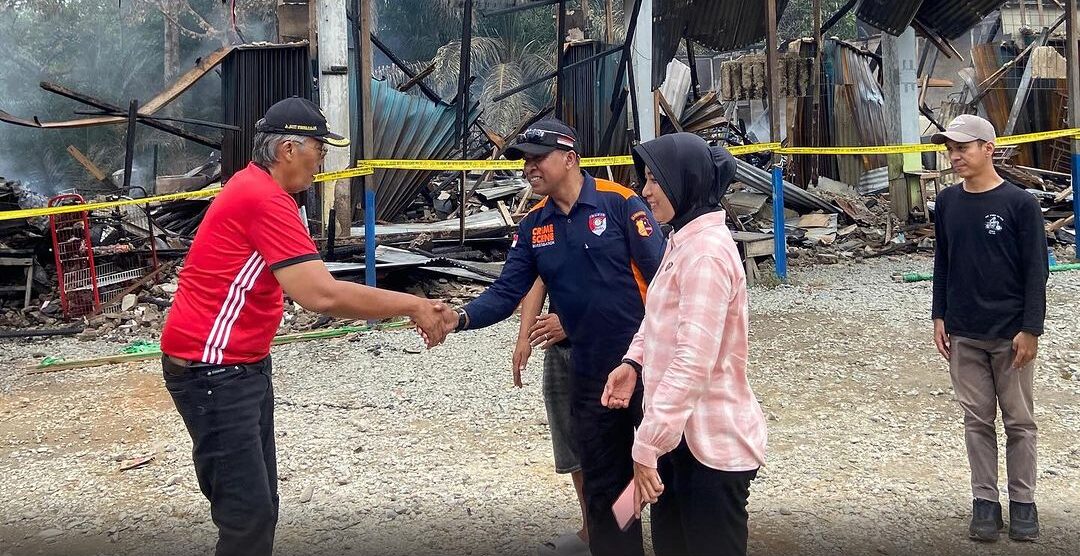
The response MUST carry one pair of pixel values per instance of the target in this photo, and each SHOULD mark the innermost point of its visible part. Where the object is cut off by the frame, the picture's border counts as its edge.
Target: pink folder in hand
(623, 508)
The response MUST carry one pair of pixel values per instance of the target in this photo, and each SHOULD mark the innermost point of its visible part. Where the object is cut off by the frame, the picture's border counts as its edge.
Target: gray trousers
(983, 381)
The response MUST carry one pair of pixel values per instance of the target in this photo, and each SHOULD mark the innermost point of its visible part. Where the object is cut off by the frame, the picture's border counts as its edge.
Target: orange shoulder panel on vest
(612, 187)
(539, 205)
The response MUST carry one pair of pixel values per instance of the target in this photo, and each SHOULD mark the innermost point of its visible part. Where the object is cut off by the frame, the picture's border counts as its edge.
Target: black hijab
(693, 175)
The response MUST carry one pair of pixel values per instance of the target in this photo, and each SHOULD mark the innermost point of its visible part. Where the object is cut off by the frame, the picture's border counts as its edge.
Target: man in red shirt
(250, 247)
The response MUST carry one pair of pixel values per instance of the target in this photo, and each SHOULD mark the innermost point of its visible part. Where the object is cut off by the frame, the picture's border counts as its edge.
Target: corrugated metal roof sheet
(720, 25)
(723, 25)
(254, 77)
(856, 112)
(953, 18)
(891, 16)
(587, 97)
(407, 127)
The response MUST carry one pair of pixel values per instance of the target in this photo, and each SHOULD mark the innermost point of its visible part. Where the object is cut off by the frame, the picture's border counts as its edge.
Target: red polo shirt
(228, 305)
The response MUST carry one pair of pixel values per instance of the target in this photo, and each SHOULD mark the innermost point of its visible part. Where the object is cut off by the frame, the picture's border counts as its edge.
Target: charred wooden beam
(102, 105)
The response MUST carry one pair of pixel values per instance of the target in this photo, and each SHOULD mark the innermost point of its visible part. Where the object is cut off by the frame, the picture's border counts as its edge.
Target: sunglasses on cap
(547, 138)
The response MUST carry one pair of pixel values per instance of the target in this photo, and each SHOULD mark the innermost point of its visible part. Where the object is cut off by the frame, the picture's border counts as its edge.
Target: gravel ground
(386, 450)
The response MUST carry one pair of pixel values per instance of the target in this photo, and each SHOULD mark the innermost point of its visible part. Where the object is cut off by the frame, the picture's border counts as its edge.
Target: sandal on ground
(569, 544)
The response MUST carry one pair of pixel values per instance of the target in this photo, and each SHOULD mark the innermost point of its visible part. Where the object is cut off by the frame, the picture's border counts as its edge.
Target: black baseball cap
(543, 137)
(299, 116)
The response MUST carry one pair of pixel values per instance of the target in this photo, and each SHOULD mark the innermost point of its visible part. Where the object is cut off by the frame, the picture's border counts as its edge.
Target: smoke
(116, 54)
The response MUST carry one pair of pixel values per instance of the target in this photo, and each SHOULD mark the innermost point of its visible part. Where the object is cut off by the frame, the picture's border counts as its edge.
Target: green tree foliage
(506, 52)
(414, 29)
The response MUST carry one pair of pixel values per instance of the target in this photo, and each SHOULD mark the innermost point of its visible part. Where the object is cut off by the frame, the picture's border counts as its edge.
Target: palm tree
(506, 51)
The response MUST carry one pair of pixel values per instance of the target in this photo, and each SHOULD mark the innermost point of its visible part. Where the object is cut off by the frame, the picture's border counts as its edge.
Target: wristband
(634, 364)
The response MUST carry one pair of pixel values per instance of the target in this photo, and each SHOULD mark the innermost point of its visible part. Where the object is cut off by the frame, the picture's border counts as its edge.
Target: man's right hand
(546, 331)
(941, 338)
(522, 351)
(430, 317)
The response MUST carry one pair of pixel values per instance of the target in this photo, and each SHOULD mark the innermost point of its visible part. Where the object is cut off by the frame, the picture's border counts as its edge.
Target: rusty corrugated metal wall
(853, 112)
(252, 79)
(407, 127)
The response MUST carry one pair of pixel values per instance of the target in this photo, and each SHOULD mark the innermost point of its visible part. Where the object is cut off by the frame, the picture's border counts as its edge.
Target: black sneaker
(1023, 521)
(986, 522)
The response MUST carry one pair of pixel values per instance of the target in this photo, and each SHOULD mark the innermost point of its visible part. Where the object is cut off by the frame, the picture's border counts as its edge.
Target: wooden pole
(640, 67)
(333, 39)
(695, 84)
(1072, 57)
(364, 142)
(560, 59)
(87, 163)
(129, 147)
(815, 120)
(772, 61)
(609, 23)
(585, 16)
(463, 98)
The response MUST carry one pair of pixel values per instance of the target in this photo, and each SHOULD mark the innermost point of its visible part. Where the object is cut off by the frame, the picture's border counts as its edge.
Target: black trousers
(702, 510)
(605, 439)
(229, 413)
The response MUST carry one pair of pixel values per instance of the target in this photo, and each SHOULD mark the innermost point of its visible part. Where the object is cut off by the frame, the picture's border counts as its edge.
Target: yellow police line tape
(367, 167)
(1009, 141)
(202, 193)
(486, 165)
(47, 211)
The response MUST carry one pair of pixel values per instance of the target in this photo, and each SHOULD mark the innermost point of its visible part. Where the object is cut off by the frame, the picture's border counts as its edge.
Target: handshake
(434, 320)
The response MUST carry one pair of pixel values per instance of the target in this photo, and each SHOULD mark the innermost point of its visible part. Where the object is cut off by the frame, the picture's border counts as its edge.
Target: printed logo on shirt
(542, 236)
(994, 224)
(598, 223)
(641, 223)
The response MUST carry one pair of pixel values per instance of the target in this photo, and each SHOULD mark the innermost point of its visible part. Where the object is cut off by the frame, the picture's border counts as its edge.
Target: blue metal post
(779, 237)
(1076, 195)
(369, 233)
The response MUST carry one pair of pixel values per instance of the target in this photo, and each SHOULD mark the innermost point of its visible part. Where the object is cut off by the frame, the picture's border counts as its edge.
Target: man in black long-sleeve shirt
(990, 272)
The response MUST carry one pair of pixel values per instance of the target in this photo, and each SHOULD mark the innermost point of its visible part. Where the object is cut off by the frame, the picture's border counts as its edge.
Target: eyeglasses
(547, 138)
(322, 150)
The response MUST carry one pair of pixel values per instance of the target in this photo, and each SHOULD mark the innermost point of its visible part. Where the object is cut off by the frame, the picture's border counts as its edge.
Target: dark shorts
(557, 401)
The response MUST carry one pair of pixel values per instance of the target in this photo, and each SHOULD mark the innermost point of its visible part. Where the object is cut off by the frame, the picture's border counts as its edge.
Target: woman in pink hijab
(702, 438)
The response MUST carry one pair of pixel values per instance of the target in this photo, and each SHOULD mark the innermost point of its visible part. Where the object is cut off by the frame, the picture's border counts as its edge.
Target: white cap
(966, 128)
